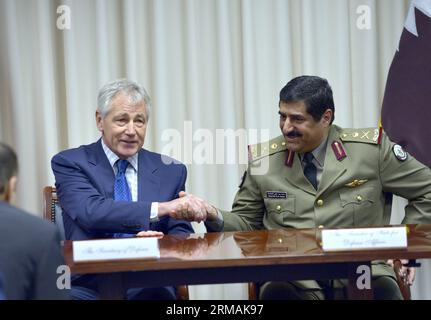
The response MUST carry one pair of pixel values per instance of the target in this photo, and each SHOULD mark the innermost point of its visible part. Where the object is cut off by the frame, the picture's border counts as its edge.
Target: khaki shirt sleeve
(409, 179)
(215, 225)
(248, 208)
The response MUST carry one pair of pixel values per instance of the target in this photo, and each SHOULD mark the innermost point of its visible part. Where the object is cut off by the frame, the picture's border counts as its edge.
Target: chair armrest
(402, 280)
(182, 292)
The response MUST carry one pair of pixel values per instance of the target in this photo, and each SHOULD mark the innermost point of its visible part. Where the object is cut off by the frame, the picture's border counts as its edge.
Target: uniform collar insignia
(338, 149)
(289, 158)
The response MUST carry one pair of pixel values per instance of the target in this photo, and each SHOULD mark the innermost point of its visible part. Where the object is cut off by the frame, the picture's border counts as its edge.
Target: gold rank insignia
(366, 135)
(355, 183)
(267, 148)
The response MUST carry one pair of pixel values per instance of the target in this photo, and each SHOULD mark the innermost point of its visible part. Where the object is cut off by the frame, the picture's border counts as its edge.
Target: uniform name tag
(276, 195)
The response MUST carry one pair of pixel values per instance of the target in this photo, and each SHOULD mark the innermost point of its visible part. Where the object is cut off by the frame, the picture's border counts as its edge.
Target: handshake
(188, 207)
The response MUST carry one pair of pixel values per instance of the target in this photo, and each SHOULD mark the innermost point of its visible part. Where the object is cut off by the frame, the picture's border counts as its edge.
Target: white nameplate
(364, 238)
(116, 249)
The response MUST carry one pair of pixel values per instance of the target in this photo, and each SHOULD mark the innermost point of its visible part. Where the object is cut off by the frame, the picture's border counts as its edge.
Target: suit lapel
(333, 168)
(102, 169)
(148, 182)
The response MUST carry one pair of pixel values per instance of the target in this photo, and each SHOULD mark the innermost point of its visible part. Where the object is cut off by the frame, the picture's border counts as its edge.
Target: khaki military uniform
(361, 165)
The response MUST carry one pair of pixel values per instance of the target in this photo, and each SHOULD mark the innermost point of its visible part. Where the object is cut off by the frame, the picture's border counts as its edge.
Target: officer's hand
(207, 211)
(191, 208)
(187, 207)
(406, 272)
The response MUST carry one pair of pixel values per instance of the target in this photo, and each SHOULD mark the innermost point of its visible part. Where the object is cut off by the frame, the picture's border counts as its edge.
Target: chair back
(52, 210)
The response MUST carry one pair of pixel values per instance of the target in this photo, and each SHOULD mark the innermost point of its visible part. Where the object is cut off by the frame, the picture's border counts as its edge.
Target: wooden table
(233, 257)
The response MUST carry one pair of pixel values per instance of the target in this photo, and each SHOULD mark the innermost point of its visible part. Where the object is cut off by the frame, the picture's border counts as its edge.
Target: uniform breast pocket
(359, 203)
(279, 209)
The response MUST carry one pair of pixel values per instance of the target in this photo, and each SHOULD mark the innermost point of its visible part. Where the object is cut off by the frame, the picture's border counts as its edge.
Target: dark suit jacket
(85, 187)
(30, 254)
(2, 293)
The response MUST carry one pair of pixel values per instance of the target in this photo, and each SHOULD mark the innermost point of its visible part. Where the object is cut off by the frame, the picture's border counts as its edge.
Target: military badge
(399, 152)
(356, 183)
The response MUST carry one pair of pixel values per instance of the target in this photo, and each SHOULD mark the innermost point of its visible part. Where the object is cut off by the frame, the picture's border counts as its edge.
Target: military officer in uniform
(320, 175)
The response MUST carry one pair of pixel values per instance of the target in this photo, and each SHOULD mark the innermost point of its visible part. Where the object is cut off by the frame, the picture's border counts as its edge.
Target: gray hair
(8, 166)
(134, 91)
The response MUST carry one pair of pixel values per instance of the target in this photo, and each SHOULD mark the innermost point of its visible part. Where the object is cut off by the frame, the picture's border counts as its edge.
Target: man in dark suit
(2, 293)
(30, 251)
(113, 187)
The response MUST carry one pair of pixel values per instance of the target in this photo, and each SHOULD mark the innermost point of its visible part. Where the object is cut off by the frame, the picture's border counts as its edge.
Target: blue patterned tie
(121, 189)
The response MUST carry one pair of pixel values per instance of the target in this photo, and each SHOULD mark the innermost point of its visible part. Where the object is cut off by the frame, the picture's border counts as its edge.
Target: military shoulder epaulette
(365, 135)
(263, 149)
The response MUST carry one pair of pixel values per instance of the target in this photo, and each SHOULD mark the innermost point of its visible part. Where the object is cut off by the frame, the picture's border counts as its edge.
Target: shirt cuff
(154, 213)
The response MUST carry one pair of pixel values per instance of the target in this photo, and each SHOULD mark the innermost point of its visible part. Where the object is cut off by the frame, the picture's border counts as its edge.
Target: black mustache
(294, 134)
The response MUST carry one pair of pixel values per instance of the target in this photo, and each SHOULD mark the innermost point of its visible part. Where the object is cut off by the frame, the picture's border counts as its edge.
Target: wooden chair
(52, 212)
(402, 281)
(253, 288)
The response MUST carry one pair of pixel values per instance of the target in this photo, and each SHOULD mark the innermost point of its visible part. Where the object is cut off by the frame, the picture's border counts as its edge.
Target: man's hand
(192, 208)
(406, 272)
(150, 233)
(184, 208)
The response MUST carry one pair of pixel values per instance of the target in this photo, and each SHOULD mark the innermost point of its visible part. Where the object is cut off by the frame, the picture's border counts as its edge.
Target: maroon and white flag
(406, 110)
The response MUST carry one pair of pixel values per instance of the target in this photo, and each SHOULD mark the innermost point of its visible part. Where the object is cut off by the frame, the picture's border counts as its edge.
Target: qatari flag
(406, 110)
